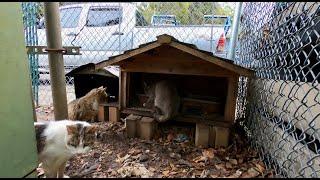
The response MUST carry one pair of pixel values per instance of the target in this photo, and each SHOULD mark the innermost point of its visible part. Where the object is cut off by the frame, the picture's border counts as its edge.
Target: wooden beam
(124, 89)
(215, 60)
(164, 39)
(127, 85)
(174, 66)
(127, 55)
(217, 120)
(120, 91)
(230, 106)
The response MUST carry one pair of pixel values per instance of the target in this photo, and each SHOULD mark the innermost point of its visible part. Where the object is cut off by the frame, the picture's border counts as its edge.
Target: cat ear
(72, 129)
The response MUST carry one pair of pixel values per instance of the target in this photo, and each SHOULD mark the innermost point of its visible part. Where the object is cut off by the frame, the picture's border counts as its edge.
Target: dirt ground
(170, 154)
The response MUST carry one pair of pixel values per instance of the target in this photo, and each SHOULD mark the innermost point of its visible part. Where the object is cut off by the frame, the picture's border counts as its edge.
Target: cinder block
(114, 115)
(202, 135)
(212, 136)
(131, 125)
(147, 127)
(222, 137)
(103, 113)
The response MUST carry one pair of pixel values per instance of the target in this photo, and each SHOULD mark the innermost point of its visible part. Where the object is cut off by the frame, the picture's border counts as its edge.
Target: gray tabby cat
(163, 99)
(58, 141)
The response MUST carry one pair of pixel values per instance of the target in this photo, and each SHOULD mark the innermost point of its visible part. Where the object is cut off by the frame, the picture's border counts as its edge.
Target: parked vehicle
(169, 20)
(107, 29)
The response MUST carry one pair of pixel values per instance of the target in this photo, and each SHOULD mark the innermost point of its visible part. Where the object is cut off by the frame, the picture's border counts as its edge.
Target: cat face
(81, 138)
(99, 93)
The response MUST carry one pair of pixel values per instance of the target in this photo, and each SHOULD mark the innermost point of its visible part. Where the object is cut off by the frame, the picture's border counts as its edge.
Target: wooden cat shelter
(86, 78)
(208, 86)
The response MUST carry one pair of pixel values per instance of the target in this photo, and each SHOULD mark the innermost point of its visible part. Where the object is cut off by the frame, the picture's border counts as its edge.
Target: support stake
(56, 64)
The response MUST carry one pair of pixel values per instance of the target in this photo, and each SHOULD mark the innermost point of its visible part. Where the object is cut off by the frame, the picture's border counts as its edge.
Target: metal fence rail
(280, 41)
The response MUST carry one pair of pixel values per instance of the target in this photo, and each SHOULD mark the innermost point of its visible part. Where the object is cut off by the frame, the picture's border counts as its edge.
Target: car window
(163, 20)
(104, 16)
(140, 20)
(69, 17)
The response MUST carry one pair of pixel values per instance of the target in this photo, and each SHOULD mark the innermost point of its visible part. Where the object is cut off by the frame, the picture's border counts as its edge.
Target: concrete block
(202, 135)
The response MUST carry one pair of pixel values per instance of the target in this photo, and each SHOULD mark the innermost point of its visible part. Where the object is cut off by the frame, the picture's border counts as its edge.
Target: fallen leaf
(121, 160)
(200, 159)
(170, 137)
(228, 165)
(204, 173)
(166, 173)
(260, 167)
(172, 165)
(240, 161)
(220, 167)
(233, 161)
(152, 169)
(236, 174)
(208, 153)
(252, 172)
(134, 152)
(173, 173)
(213, 176)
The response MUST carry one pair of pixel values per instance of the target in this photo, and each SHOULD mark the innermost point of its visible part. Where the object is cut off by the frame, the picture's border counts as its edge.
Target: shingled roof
(188, 48)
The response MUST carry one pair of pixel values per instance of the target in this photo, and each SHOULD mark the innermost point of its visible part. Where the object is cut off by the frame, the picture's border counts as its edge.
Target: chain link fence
(280, 41)
(107, 29)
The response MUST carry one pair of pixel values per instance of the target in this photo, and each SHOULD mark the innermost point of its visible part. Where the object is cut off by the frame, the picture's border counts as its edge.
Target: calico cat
(163, 98)
(58, 141)
(86, 107)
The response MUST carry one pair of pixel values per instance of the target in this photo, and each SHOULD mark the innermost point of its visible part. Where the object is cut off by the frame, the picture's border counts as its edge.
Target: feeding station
(207, 85)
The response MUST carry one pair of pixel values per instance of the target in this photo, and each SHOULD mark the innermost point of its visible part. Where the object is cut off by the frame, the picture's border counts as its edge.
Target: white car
(107, 29)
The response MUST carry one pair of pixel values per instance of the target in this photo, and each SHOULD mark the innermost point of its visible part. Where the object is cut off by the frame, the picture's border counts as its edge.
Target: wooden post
(212, 136)
(229, 111)
(103, 113)
(222, 137)
(55, 57)
(131, 125)
(202, 135)
(222, 134)
(114, 114)
(147, 128)
(123, 89)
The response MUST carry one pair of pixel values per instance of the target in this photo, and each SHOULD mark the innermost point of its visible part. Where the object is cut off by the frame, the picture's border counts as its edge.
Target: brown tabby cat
(58, 141)
(86, 107)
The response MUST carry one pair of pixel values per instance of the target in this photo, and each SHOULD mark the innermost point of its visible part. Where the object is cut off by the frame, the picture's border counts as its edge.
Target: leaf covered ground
(170, 154)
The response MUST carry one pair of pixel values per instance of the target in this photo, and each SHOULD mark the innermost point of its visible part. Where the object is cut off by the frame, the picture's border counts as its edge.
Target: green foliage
(185, 12)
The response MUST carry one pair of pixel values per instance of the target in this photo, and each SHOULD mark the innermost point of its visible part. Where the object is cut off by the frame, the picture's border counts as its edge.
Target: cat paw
(65, 176)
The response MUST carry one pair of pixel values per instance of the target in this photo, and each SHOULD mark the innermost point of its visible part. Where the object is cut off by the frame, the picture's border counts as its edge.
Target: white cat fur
(56, 151)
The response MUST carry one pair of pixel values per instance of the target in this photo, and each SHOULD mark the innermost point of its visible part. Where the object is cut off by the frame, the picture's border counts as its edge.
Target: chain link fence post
(55, 56)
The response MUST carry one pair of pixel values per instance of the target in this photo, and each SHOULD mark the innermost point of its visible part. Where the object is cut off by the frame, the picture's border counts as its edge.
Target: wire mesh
(280, 41)
(107, 29)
